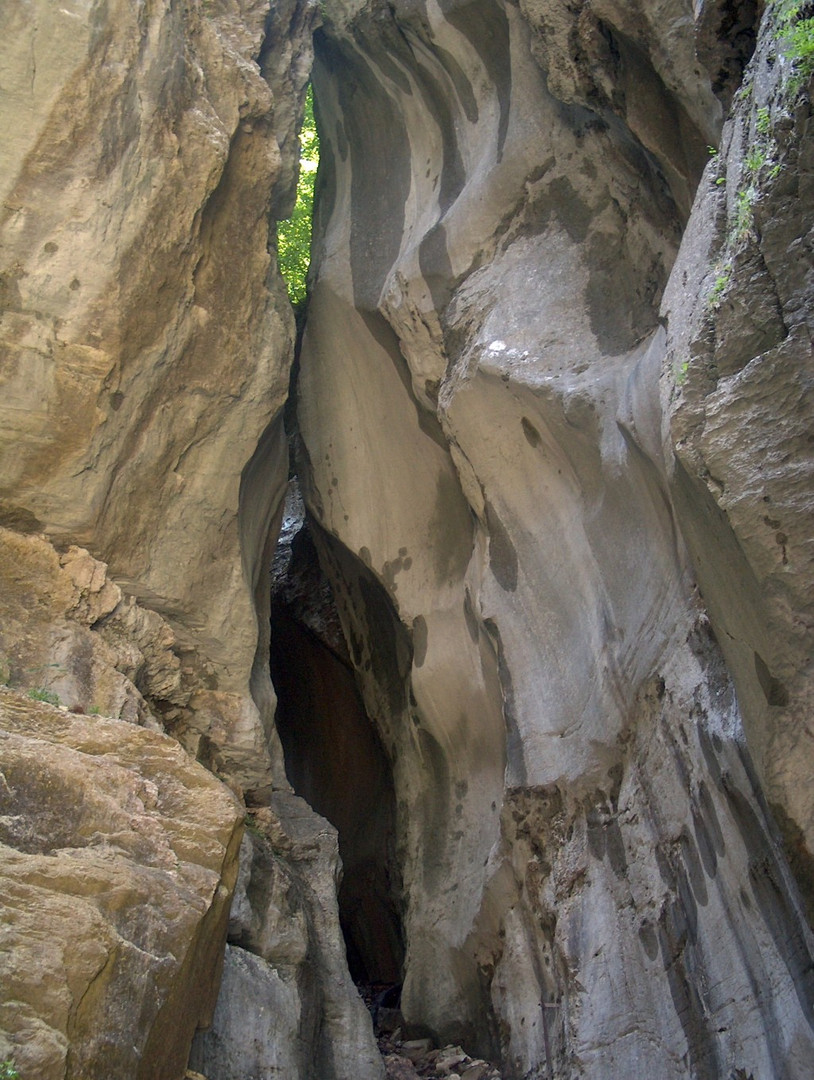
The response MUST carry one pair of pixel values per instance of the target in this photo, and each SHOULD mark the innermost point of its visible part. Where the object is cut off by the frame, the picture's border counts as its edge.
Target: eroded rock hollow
(537, 745)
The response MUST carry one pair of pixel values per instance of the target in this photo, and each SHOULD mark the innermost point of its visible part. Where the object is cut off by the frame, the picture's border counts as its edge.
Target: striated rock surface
(560, 637)
(118, 856)
(740, 366)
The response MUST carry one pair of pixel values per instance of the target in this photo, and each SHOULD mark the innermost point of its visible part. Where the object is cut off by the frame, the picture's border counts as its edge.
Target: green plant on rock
(8, 1070)
(294, 235)
(797, 37)
(721, 282)
(252, 827)
(744, 212)
(39, 693)
(756, 159)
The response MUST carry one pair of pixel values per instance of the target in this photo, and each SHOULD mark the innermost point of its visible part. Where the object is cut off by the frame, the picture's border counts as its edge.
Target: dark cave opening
(333, 755)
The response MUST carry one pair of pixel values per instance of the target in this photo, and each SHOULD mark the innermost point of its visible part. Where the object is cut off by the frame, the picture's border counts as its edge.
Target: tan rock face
(145, 340)
(118, 856)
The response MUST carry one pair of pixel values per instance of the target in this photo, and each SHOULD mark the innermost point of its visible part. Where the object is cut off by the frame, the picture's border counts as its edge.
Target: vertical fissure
(334, 757)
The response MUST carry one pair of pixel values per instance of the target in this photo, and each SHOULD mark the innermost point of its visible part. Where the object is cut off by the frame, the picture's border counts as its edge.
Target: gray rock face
(488, 408)
(287, 1005)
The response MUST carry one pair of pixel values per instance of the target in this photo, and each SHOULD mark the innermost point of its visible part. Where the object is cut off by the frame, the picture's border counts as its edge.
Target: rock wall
(562, 479)
(118, 857)
(552, 426)
(146, 338)
(145, 347)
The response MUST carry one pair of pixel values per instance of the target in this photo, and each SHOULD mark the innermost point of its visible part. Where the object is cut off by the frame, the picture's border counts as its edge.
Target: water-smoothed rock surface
(562, 480)
(552, 603)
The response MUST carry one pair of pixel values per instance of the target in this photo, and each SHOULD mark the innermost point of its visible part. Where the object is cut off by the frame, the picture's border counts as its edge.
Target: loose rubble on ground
(417, 1059)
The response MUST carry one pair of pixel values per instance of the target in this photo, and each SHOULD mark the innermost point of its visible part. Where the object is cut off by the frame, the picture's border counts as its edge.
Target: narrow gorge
(455, 637)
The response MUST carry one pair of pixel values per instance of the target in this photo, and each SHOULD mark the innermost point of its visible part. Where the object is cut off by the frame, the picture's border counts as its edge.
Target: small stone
(399, 1068)
(415, 1049)
(478, 1070)
(449, 1058)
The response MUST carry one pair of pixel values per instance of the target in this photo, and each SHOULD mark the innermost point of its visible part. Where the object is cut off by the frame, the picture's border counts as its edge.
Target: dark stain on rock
(449, 530)
(382, 333)
(392, 653)
(711, 818)
(533, 436)
(436, 269)
(433, 804)
(705, 846)
(709, 756)
(771, 895)
(419, 640)
(695, 871)
(689, 908)
(572, 211)
(453, 173)
(502, 554)
(19, 519)
(471, 618)
(595, 834)
(616, 849)
(379, 164)
(650, 943)
(463, 87)
(486, 27)
(773, 690)
(515, 756)
(703, 1063)
(665, 869)
(798, 854)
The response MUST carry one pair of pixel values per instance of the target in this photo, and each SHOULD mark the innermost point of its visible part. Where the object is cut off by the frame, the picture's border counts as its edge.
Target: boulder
(118, 857)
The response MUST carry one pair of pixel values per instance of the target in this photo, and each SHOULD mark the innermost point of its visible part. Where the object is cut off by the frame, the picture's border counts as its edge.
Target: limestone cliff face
(146, 339)
(524, 470)
(553, 432)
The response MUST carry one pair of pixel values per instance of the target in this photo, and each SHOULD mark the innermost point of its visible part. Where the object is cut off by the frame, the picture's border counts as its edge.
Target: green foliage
(252, 826)
(721, 282)
(294, 235)
(744, 202)
(8, 1070)
(41, 694)
(755, 159)
(682, 373)
(763, 122)
(797, 35)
